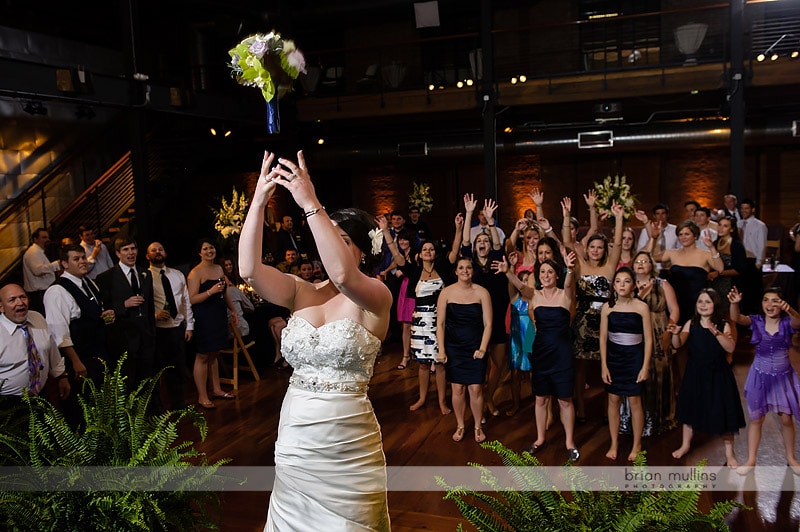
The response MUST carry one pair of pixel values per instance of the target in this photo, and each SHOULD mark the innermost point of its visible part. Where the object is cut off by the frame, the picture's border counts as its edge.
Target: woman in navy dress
(552, 372)
(463, 329)
(210, 303)
(708, 400)
(626, 345)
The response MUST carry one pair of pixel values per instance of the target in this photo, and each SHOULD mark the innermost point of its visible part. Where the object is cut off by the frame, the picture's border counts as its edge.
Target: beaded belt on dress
(313, 385)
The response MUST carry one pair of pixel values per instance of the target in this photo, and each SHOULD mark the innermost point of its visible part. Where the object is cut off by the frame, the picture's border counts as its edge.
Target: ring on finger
(291, 177)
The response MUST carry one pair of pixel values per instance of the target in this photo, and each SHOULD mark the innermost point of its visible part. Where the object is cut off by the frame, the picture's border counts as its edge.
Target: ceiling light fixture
(772, 51)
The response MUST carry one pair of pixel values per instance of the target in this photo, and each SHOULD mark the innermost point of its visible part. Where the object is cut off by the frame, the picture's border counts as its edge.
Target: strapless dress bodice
(338, 356)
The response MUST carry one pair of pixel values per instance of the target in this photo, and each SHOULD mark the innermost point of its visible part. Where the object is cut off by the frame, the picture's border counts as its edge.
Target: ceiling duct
(673, 135)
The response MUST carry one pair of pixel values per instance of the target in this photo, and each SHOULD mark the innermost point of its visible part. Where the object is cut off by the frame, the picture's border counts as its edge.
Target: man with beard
(174, 323)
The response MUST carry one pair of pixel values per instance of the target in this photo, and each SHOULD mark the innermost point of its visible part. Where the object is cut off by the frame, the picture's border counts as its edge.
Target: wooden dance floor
(245, 430)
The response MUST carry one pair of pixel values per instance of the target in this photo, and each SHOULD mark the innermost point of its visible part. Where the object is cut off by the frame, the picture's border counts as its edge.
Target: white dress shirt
(62, 308)
(478, 229)
(38, 271)
(670, 238)
(241, 304)
(754, 238)
(181, 293)
(14, 374)
(98, 264)
(711, 232)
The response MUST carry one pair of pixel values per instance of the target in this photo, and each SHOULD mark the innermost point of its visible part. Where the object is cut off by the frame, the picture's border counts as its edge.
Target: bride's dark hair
(358, 224)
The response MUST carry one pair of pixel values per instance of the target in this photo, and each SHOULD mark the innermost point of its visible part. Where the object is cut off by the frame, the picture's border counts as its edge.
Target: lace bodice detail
(338, 356)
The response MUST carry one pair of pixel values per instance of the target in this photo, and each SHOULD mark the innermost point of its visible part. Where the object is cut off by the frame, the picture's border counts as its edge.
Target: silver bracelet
(308, 214)
(549, 230)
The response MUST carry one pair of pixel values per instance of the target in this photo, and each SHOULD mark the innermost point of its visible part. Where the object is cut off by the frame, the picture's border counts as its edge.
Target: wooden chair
(239, 345)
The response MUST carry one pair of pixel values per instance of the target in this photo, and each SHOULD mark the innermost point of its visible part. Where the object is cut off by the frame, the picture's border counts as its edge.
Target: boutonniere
(144, 275)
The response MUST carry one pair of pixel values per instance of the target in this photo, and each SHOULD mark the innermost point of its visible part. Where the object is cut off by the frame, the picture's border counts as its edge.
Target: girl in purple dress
(772, 383)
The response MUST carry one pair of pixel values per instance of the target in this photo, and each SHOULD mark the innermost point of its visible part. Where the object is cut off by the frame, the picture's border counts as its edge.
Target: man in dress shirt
(128, 291)
(731, 207)
(38, 271)
(666, 240)
(702, 217)
(15, 371)
(174, 323)
(76, 317)
(96, 253)
(288, 238)
(418, 226)
(483, 227)
(754, 238)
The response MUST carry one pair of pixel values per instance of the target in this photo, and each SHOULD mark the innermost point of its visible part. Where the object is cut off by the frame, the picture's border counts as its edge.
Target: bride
(330, 470)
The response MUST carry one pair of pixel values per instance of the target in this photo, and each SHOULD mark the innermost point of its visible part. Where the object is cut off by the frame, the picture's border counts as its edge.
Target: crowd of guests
(567, 311)
(561, 308)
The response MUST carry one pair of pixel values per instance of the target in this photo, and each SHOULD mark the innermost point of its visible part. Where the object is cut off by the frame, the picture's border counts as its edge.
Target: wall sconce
(223, 132)
(33, 107)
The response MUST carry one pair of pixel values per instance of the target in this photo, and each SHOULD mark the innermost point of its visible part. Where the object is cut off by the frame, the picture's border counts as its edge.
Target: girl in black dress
(626, 345)
(708, 400)
(463, 329)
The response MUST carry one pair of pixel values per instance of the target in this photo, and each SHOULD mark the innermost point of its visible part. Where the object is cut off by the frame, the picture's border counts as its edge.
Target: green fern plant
(139, 453)
(532, 504)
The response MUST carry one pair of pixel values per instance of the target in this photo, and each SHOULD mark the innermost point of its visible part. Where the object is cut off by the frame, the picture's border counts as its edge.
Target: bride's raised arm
(341, 247)
(273, 285)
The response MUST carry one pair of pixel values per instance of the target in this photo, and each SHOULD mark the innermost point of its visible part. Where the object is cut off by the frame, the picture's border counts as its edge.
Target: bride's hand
(265, 186)
(295, 178)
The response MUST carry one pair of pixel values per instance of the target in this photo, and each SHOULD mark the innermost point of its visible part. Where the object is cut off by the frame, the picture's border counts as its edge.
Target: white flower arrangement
(611, 190)
(230, 217)
(376, 236)
(421, 198)
(268, 62)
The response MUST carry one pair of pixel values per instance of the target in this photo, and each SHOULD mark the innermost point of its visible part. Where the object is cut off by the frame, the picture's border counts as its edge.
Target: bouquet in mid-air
(267, 61)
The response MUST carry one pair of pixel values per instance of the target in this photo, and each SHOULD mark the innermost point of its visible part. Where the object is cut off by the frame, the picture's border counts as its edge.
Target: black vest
(88, 332)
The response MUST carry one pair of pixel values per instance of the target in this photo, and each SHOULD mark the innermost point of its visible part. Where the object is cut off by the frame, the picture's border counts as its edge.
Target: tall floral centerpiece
(270, 63)
(420, 197)
(228, 219)
(615, 189)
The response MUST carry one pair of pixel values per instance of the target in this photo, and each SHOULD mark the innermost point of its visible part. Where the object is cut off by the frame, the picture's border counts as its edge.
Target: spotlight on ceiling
(33, 107)
(514, 80)
(794, 54)
(523, 78)
(773, 52)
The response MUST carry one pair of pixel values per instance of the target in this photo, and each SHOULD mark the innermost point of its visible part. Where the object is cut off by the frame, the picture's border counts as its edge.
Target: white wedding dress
(330, 470)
